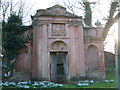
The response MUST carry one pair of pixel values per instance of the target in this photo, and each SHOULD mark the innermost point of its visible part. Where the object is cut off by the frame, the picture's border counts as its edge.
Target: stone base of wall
(39, 79)
(20, 76)
(94, 75)
(25, 76)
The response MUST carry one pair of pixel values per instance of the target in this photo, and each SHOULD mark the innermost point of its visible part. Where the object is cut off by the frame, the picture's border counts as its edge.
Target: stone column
(34, 59)
(72, 53)
(81, 52)
(39, 51)
(77, 49)
(45, 62)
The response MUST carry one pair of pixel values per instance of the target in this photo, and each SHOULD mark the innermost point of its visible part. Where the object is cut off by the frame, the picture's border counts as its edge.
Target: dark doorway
(59, 67)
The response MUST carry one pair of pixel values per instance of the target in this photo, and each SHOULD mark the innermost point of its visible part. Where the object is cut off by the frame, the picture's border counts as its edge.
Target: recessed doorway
(59, 67)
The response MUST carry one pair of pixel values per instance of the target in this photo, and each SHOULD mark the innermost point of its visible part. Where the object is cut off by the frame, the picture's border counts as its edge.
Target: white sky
(100, 10)
(111, 38)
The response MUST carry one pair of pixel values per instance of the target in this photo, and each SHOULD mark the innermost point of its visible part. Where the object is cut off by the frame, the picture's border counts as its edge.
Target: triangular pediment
(56, 10)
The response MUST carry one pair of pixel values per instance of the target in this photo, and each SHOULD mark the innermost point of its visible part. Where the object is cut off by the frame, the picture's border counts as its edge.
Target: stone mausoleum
(62, 48)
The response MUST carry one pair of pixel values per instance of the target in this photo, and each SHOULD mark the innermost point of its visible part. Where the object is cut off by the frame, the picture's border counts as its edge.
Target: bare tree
(112, 18)
(4, 7)
(20, 8)
(85, 5)
(70, 6)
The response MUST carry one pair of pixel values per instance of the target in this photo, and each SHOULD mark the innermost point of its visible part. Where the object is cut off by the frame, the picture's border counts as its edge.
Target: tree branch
(111, 19)
(109, 24)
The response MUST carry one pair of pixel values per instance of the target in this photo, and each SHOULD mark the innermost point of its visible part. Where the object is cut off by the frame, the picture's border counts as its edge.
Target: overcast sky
(100, 10)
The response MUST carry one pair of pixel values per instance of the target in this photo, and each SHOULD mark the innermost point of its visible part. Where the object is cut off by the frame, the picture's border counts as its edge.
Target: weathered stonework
(60, 41)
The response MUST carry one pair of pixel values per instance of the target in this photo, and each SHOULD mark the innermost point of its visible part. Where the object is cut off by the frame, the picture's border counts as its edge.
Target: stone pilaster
(81, 52)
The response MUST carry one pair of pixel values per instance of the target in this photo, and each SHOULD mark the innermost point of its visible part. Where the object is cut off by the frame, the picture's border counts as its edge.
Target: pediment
(56, 10)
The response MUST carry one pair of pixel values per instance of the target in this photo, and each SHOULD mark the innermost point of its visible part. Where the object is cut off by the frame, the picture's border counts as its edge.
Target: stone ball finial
(98, 23)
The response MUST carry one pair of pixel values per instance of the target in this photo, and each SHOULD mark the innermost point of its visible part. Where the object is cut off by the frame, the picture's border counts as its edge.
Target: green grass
(70, 86)
(110, 75)
(96, 85)
(102, 85)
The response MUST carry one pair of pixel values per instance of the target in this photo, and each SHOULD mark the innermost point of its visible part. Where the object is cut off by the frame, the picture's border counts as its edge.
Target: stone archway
(59, 62)
(23, 62)
(92, 58)
(92, 62)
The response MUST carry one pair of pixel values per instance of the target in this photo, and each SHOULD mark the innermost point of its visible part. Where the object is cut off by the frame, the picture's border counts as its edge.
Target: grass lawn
(96, 85)
(110, 75)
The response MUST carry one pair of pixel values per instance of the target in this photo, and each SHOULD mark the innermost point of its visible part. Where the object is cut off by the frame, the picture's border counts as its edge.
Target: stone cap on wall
(93, 32)
(56, 10)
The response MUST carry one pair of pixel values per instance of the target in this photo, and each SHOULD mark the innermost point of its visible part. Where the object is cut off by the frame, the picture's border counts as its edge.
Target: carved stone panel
(58, 30)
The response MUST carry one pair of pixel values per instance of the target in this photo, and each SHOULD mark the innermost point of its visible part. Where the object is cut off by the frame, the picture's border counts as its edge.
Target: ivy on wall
(88, 14)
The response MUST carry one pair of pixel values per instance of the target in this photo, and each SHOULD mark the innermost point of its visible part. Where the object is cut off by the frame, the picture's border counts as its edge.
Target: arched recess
(23, 62)
(92, 58)
(58, 45)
